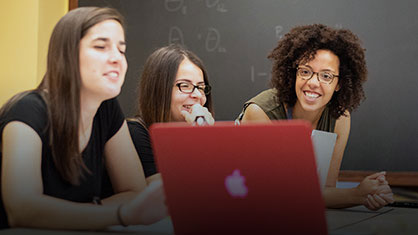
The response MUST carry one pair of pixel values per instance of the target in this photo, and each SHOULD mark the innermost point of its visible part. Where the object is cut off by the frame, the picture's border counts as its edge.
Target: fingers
(388, 197)
(376, 201)
(382, 179)
(198, 110)
(187, 116)
(383, 189)
(376, 175)
(381, 202)
(371, 203)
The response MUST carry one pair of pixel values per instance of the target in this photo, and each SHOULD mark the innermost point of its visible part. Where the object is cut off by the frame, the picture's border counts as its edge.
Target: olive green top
(275, 110)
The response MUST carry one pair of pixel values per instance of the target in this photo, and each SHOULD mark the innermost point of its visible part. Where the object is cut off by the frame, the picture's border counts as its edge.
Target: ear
(337, 88)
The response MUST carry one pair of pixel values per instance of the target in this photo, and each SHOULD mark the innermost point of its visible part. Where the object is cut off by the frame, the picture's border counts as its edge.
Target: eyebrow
(123, 43)
(189, 81)
(330, 70)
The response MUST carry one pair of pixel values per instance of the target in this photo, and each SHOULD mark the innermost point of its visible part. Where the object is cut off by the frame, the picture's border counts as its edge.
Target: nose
(196, 93)
(314, 80)
(115, 55)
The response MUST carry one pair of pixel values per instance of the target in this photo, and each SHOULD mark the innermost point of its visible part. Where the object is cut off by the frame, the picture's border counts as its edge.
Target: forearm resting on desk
(342, 197)
(48, 212)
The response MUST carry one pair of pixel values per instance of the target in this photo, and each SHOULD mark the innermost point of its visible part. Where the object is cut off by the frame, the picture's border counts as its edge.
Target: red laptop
(248, 179)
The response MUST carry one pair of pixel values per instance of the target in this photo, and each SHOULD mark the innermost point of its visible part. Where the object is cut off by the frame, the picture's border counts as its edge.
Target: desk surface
(355, 220)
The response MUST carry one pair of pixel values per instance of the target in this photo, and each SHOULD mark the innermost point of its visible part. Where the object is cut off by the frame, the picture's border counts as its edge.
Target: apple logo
(235, 184)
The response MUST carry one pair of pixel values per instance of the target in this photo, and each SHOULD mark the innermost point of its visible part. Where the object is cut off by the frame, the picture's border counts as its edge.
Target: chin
(113, 93)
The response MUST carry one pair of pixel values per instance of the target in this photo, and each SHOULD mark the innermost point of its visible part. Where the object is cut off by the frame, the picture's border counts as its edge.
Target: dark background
(234, 37)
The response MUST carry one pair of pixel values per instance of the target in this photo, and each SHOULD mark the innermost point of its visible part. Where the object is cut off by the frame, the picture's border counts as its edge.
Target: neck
(88, 109)
(310, 116)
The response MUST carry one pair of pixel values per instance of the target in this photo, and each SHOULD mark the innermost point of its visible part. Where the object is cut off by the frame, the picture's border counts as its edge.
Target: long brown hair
(157, 82)
(60, 87)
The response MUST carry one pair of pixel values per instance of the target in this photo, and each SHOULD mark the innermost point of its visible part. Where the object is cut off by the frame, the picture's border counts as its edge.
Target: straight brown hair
(157, 81)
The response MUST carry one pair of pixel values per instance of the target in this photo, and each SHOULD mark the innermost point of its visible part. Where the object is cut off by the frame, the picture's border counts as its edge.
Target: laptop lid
(256, 178)
(323, 143)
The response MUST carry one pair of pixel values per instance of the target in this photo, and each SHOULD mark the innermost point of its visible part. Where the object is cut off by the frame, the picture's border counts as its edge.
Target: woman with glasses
(173, 87)
(318, 75)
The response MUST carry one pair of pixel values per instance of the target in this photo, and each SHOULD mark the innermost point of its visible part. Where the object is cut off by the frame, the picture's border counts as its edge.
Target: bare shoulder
(342, 125)
(253, 113)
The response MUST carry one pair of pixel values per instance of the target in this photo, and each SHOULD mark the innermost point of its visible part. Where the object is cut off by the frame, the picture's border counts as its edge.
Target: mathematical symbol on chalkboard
(221, 8)
(279, 30)
(175, 36)
(173, 5)
(258, 74)
(213, 39)
(222, 49)
(211, 3)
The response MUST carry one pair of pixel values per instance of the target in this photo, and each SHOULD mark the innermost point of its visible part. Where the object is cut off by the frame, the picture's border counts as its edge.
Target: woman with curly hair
(318, 75)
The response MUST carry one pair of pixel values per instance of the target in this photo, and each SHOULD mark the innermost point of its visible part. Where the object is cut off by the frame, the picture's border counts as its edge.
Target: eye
(122, 49)
(326, 76)
(184, 85)
(99, 47)
(304, 72)
(201, 87)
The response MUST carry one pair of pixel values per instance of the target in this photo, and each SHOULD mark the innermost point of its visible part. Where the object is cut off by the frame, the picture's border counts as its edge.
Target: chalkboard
(234, 37)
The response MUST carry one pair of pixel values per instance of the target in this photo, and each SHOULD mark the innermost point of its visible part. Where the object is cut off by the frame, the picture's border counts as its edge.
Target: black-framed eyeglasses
(188, 88)
(323, 76)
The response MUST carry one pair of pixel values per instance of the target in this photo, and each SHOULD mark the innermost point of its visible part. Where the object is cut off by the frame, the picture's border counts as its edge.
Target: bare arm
(27, 206)
(127, 176)
(373, 192)
(124, 167)
(22, 188)
(342, 129)
(153, 178)
(253, 113)
(334, 197)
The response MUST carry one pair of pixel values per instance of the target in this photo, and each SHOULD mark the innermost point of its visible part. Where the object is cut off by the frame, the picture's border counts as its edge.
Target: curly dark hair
(301, 44)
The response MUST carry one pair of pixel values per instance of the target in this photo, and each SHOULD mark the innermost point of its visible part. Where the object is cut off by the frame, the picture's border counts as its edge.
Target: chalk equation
(175, 5)
(211, 38)
(217, 4)
(255, 74)
(175, 36)
(279, 31)
(181, 6)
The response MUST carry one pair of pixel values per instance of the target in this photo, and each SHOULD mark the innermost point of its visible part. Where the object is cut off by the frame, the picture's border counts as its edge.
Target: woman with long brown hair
(174, 87)
(58, 139)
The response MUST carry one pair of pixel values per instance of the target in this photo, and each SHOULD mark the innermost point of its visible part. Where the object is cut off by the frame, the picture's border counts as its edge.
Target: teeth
(311, 95)
(113, 74)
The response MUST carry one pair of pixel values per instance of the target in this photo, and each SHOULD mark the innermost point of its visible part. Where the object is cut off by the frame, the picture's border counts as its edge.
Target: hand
(377, 201)
(147, 208)
(371, 183)
(196, 111)
(376, 191)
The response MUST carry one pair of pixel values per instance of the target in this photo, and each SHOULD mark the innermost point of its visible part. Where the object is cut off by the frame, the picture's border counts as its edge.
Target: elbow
(20, 215)
(14, 218)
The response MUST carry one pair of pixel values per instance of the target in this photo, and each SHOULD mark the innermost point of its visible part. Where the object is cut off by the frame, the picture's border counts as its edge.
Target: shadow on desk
(359, 220)
(163, 227)
(354, 220)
